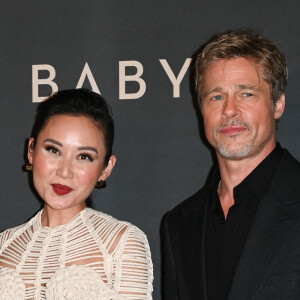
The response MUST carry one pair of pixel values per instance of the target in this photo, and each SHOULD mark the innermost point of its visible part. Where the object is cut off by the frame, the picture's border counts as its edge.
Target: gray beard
(224, 152)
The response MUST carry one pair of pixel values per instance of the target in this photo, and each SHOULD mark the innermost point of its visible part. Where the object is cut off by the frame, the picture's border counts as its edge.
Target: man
(239, 236)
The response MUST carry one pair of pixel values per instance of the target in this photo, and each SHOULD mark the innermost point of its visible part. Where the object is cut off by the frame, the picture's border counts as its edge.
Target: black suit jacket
(269, 266)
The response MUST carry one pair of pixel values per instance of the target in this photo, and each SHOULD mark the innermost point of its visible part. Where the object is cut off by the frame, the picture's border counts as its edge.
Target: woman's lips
(232, 130)
(60, 189)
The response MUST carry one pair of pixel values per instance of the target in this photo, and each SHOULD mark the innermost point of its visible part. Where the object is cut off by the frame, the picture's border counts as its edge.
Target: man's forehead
(232, 67)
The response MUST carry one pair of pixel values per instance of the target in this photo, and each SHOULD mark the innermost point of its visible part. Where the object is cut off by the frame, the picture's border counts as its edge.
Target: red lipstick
(60, 189)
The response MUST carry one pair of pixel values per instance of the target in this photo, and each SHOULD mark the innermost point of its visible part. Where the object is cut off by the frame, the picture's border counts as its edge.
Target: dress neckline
(47, 228)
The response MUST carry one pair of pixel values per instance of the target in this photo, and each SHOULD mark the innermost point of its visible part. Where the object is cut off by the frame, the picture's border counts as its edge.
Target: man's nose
(230, 107)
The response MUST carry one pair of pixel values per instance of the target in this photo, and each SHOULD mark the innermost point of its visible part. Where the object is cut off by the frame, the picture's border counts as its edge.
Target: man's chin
(234, 153)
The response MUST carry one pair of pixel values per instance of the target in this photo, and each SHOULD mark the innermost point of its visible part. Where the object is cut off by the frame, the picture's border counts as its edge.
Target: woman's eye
(52, 149)
(85, 157)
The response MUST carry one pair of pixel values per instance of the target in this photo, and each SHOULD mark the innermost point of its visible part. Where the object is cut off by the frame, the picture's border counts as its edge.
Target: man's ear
(279, 107)
(30, 150)
(110, 166)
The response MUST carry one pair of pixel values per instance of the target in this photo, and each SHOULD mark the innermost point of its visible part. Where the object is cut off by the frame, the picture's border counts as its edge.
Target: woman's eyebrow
(53, 142)
(88, 148)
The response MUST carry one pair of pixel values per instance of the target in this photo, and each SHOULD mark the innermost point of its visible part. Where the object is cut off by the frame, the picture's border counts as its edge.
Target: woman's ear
(30, 150)
(110, 166)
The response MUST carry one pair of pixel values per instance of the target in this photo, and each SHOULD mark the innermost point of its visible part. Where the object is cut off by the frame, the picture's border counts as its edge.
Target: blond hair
(244, 43)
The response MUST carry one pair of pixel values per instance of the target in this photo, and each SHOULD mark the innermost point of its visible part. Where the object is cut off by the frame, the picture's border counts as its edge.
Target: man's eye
(52, 149)
(85, 157)
(218, 97)
(248, 94)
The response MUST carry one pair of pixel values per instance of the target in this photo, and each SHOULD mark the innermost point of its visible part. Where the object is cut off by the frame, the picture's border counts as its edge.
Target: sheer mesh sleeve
(133, 266)
(6, 235)
(2, 239)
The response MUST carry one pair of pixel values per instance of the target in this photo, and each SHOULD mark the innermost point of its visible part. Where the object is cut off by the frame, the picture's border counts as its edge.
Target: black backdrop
(161, 158)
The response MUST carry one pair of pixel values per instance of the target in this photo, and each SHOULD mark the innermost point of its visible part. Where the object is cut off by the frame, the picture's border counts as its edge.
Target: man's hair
(249, 45)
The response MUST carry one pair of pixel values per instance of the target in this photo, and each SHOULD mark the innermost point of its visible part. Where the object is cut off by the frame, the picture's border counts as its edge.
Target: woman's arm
(133, 269)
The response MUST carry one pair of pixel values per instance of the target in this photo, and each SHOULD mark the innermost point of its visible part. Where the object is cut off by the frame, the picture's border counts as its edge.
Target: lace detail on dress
(11, 285)
(78, 283)
(116, 251)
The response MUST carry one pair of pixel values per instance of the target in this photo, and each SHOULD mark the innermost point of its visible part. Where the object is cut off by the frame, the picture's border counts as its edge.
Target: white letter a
(86, 72)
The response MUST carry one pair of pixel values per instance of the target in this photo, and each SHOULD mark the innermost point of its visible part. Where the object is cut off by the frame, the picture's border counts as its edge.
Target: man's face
(238, 113)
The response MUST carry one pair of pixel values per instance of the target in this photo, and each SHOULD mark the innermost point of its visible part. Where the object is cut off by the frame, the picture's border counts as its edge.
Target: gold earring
(28, 167)
(101, 184)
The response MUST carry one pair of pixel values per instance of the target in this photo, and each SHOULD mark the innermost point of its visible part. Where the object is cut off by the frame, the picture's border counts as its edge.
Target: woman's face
(68, 160)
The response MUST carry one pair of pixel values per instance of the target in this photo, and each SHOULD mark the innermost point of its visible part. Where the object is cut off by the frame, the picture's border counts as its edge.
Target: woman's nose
(65, 169)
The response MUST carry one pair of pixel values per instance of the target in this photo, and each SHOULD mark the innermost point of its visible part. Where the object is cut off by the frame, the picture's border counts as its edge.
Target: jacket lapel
(272, 225)
(189, 249)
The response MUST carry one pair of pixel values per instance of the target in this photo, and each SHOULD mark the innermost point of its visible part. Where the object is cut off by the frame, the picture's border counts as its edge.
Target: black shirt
(225, 239)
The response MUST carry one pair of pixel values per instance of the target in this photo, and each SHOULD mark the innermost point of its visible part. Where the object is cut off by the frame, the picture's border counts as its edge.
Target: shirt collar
(257, 182)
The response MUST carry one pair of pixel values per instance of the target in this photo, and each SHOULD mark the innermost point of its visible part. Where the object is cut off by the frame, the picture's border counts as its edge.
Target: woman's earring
(28, 167)
(101, 184)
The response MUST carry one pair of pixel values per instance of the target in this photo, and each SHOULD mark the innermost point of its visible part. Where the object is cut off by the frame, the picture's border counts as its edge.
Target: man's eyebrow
(214, 90)
(247, 87)
(53, 142)
(88, 148)
(239, 86)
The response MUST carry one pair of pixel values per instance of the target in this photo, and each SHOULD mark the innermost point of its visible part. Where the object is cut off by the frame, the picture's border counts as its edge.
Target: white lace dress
(92, 257)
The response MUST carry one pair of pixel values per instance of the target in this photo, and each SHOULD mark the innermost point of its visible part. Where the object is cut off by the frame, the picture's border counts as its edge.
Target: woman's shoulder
(99, 217)
(11, 232)
(106, 225)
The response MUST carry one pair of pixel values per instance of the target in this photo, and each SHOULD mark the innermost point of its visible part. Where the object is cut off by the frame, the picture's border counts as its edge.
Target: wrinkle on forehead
(258, 69)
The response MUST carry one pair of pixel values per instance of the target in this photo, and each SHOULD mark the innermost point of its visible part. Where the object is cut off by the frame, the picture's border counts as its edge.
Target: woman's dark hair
(77, 102)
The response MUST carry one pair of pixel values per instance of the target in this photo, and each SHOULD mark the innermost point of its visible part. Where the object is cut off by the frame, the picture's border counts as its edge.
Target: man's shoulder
(289, 162)
(286, 180)
(195, 203)
(288, 171)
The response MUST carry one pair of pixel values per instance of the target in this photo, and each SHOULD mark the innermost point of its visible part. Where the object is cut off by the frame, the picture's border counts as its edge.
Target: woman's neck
(55, 217)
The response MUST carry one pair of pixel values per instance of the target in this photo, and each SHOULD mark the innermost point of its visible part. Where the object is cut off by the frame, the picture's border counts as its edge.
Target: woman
(69, 251)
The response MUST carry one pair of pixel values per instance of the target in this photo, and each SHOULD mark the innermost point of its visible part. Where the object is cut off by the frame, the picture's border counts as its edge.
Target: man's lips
(232, 130)
(60, 189)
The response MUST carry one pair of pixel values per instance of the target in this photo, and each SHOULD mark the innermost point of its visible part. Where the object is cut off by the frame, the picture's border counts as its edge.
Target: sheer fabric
(94, 256)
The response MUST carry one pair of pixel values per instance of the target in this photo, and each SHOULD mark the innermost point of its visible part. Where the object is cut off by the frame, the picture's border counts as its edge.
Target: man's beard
(224, 150)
